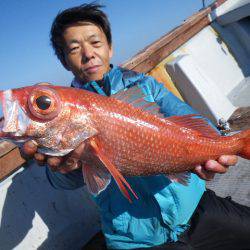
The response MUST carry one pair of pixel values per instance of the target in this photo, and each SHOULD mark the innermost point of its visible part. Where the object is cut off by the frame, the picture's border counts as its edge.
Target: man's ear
(64, 63)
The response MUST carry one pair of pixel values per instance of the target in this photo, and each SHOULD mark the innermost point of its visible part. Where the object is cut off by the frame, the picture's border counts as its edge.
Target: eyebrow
(73, 41)
(93, 36)
(77, 41)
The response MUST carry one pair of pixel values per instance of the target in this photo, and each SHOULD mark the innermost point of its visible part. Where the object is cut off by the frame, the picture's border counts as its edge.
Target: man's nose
(88, 53)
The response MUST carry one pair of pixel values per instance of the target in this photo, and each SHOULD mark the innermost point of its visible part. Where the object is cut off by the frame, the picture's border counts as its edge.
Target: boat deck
(234, 183)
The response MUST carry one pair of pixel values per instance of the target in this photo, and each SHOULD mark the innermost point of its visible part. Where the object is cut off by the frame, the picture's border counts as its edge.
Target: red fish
(127, 134)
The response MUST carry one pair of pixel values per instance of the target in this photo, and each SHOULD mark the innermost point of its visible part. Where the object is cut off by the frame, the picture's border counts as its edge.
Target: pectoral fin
(182, 178)
(97, 178)
(120, 180)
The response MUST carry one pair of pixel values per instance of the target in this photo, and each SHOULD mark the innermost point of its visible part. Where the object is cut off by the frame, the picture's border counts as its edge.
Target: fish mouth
(13, 121)
(1, 122)
(3, 134)
(5, 113)
(1, 115)
(1, 127)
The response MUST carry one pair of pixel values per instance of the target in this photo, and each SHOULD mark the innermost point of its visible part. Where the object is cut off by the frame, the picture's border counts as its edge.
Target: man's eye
(97, 43)
(74, 49)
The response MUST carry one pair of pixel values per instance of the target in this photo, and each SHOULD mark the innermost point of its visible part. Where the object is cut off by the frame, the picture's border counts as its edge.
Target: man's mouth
(92, 69)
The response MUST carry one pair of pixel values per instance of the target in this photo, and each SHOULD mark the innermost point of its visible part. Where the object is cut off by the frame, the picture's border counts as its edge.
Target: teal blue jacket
(164, 208)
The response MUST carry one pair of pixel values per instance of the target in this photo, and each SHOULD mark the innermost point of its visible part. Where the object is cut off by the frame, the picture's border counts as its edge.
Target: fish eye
(43, 102)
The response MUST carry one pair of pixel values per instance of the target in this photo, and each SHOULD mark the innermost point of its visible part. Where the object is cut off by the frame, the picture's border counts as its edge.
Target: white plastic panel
(198, 89)
(231, 11)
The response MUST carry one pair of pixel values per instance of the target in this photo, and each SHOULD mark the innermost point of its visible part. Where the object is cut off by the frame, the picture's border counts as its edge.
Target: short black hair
(84, 13)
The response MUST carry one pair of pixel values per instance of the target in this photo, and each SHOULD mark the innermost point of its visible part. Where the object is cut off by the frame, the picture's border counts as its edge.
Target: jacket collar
(103, 87)
(113, 81)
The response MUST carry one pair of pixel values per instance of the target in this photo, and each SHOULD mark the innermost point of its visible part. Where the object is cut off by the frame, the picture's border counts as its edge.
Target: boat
(205, 61)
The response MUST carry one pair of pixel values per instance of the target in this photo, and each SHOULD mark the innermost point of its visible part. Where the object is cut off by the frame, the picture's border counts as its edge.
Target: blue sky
(26, 56)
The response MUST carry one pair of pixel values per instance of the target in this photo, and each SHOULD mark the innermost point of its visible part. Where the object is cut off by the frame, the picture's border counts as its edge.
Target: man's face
(87, 52)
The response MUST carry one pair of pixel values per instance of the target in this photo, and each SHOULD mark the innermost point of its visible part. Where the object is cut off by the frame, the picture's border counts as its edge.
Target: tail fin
(245, 152)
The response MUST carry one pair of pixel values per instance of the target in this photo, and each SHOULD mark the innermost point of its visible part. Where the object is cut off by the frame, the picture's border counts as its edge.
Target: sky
(26, 56)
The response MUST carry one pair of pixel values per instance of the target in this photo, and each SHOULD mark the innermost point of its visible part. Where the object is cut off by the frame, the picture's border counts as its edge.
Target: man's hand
(56, 163)
(211, 167)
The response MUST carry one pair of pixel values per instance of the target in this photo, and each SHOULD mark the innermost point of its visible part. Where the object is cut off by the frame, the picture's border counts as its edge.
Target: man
(167, 215)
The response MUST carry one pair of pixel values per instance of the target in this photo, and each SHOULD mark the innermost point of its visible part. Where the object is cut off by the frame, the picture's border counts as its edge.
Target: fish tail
(245, 138)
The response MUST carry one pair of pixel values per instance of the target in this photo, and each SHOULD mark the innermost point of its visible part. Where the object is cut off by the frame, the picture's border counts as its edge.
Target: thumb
(29, 149)
(70, 164)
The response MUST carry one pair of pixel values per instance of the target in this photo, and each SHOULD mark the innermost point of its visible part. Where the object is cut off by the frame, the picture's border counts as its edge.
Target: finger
(203, 173)
(216, 167)
(70, 164)
(40, 158)
(29, 149)
(54, 162)
(228, 160)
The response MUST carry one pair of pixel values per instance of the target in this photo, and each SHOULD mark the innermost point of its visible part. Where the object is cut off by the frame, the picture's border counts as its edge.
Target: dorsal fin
(137, 97)
(195, 123)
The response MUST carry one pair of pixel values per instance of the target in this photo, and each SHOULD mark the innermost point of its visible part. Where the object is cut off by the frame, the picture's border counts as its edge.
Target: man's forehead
(81, 30)
(88, 26)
